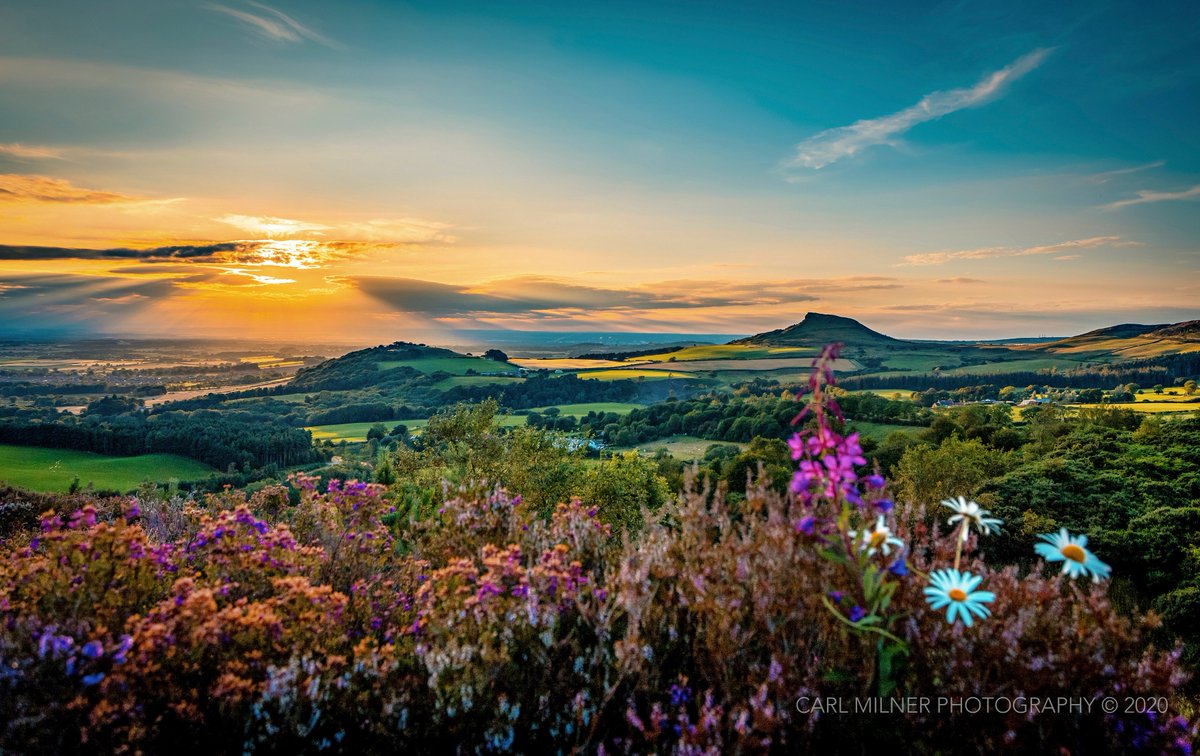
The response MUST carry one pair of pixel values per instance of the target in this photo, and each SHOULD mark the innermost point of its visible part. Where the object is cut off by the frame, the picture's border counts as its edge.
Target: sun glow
(286, 253)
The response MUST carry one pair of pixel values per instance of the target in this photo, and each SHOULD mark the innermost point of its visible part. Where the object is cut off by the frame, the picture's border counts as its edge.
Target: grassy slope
(42, 469)
(451, 365)
(683, 447)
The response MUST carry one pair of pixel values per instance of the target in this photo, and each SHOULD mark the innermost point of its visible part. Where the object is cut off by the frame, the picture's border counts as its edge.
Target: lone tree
(1189, 387)
(495, 354)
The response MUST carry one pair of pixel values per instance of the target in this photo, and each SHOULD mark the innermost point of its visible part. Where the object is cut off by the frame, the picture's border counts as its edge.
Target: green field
(1148, 407)
(357, 432)
(451, 365)
(1013, 366)
(897, 395)
(880, 431)
(579, 410)
(476, 380)
(41, 469)
(726, 352)
(683, 447)
(922, 361)
(632, 373)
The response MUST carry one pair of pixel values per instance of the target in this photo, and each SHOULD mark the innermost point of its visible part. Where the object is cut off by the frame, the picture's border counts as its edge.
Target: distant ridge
(1122, 331)
(1133, 340)
(819, 328)
(1188, 330)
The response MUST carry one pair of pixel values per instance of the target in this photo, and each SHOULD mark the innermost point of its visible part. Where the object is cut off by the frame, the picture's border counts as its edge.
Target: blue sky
(940, 170)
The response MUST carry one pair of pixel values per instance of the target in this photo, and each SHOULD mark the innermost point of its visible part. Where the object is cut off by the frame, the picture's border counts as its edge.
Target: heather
(352, 616)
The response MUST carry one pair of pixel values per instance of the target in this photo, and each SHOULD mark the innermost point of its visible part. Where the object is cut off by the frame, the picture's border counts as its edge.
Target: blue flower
(857, 613)
(1072, 552)
(948, 587)
(93, 679)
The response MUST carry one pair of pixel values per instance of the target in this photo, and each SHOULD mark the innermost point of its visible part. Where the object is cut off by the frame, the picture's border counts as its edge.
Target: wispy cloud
(275, 25)
(1104, 176)
(1149, 195)
(16, 187)
(30, 152)
(269, 226)
(829, 146)
(985, 253)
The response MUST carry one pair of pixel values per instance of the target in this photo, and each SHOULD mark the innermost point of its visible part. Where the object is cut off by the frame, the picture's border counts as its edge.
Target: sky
(368, 171)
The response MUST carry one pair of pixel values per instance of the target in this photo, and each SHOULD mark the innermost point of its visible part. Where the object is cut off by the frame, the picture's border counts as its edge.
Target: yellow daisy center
(1074, 553)
(958, 594)
(877, 539)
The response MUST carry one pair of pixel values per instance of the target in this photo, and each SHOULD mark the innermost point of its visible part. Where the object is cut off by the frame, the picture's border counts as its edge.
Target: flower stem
(962, 536)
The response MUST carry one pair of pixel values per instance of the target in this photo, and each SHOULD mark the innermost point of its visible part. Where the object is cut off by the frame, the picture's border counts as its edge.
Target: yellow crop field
(727, 352)
(632, 373)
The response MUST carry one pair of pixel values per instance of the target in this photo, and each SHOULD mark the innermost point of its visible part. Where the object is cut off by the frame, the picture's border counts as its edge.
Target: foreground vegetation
(370, 617)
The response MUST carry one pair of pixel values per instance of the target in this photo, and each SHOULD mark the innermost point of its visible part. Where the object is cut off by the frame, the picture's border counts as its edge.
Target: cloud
(299, 254)
(269, 226)
(1103, 177)
(539, 298)
(831, 145)
(275, 25)
(384, 231)
(397, 230)
(1149, 195)
(30, 152)
(959, 280)
(528, 294)
(16, 187)
(985, 253)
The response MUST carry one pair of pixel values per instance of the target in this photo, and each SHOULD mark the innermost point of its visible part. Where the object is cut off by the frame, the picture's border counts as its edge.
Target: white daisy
(878, 539)
(973, 515)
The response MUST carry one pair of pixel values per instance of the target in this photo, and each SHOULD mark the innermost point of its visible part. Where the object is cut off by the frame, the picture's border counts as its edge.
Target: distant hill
(818, 329)
(393, 363)
(1132, 340)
